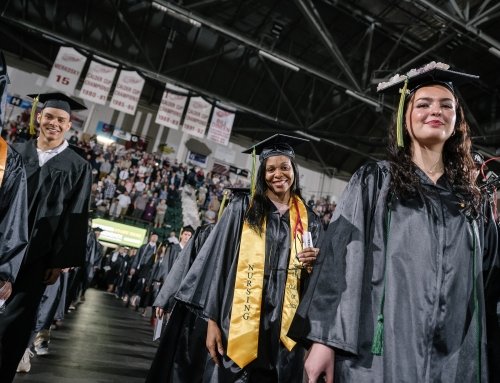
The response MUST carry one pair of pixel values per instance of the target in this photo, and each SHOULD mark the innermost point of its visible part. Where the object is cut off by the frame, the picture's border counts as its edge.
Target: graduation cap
(430, 74)
(277, 145)
(97, 228)
(58, 100)
(55, 100)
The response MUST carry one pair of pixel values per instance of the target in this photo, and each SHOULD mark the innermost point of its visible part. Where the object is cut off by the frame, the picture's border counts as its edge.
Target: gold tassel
(222, 204)
(254, 175)
(399, 122)
(33, 116)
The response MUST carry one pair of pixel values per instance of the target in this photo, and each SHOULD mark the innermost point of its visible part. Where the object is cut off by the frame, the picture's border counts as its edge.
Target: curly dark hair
(260, 205)
(458, 163)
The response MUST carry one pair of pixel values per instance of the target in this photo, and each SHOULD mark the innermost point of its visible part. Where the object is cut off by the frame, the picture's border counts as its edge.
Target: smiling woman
(399, 293)
(256, 265)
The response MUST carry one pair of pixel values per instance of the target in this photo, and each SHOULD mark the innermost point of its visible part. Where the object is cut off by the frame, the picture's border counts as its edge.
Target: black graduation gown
(209, 284)
(13, 217)
(181, 354)
(431, 328)
(174, 274)
(58, 195)
(93, 256)
(171, 256)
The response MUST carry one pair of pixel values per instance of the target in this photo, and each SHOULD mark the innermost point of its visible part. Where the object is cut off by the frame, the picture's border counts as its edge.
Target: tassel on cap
(33, 116)
(222, 204)
(400, 117)
(254, 171)
(378, 337)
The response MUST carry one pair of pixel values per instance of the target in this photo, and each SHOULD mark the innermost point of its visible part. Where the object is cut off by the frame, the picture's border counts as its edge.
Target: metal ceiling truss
(309, 101)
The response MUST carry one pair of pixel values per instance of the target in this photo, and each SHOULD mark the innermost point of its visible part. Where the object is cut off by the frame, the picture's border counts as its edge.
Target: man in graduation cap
(59, 183)
(250, 274)
(13, 203)
(409, 261)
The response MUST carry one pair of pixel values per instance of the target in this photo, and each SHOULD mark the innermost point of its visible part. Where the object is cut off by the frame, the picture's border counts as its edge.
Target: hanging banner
(98, 82)
(196, 119)
(66, 70)
(171, 107)
(221, 126)
(127, 92)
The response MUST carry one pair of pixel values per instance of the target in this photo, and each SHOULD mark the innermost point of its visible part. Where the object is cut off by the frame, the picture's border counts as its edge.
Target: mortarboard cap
(277, 145)
(97, 228)
(58, 101)
(432, 73)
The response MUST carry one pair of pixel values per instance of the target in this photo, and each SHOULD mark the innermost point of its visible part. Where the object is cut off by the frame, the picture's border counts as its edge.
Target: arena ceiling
(305, 67)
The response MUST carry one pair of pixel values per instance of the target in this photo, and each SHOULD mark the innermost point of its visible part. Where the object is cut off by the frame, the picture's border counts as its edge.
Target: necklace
(437, 170)
(433, 169)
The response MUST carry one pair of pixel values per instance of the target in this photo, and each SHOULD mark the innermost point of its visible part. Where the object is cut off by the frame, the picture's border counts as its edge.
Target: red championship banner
(221, 126)
(196, 119)
(98, 81)
(127, 92)
(171, 106)
(66, 70)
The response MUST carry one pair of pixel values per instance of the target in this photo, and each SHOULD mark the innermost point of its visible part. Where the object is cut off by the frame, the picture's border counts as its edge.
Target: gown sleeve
(175, 275)
(330, 309)
(204, 285)
(491, 277)
(70, 240)
(13, 217)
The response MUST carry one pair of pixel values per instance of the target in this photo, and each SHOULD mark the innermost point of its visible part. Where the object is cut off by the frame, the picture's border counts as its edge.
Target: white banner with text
(127, 92)
(196, 119)
(98, 81)
(221, 126)
(66, 70)
(171, 107)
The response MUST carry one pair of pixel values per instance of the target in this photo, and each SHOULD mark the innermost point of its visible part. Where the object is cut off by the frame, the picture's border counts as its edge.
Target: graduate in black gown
(13, 203)
(59, 182)
(398, 293)
(248, 277)
(181, 354)
(175, 249)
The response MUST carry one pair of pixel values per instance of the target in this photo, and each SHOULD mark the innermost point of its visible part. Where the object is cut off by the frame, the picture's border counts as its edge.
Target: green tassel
(378, 337)
(400, 117)
(33, 116)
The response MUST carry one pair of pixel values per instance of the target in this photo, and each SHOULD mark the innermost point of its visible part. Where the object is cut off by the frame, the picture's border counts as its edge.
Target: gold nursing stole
(243, 339)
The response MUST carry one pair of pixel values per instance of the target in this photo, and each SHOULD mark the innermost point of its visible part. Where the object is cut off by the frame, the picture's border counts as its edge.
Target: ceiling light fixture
(176, 15)
(362, 97)
(278, 61)
(494, 51)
